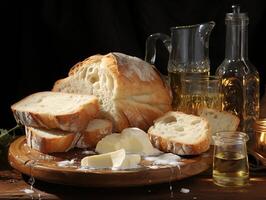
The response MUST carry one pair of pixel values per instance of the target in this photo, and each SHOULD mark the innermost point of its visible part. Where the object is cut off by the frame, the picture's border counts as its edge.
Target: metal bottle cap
(236, 15)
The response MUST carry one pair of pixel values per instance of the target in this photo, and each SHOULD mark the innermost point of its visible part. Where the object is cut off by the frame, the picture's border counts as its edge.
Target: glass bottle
(240, 79)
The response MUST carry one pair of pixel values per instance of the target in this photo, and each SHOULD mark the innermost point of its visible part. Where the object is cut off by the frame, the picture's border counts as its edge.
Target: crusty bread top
(181, 127)
(131, 93)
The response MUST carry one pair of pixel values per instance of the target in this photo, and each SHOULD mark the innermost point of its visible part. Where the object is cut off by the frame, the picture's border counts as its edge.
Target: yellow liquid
(175, 83)
(190, 104)
(230, 169)
(242, 99)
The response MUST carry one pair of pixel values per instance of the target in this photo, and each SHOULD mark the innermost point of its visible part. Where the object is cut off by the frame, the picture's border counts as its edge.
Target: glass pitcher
(188, 49)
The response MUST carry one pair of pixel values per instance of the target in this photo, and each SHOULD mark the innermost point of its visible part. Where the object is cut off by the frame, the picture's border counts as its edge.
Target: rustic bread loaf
(95, 131)
(180, 133)
(219, 120)
(50, 141)
(69, 112)
(130, 91)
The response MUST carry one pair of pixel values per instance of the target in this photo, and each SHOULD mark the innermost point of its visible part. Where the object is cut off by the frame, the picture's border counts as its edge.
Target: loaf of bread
(180, 133)
(219, 120)
(95, 131)
(130, 91)
(54, 110)
(50, 141)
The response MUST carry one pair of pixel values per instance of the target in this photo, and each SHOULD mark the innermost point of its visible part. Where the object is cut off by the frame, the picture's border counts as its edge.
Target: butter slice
(130, 161)
(133, 140)
(107, 160)
(109, 143)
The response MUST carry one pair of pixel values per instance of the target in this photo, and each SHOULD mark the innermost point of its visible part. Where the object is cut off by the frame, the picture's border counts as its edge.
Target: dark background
(41, 40)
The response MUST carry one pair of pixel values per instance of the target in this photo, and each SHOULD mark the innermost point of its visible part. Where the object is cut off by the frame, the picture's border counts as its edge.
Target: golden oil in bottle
(240, 79)
(230, 169)
(241, 97)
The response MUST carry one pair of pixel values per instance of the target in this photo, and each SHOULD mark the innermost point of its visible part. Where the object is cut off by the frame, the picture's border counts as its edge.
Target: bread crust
(186, 148)
(74, 121)
(139, 94)
(87, 61)
(90, 137)
(166, 145)
(46, 145)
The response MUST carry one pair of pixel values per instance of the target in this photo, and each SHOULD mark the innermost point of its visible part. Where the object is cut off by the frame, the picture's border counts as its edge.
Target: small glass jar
(230, 160)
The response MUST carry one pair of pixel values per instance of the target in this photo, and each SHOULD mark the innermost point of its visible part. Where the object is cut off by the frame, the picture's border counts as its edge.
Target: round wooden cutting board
(47, 168)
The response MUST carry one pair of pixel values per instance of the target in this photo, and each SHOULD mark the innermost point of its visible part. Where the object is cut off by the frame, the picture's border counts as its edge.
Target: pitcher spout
(206, 28)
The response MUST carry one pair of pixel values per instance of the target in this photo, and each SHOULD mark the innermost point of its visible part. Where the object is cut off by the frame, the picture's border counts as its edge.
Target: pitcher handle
(150, 53)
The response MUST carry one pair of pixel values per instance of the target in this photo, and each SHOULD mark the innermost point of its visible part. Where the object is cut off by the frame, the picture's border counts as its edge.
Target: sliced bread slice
(219, 120)
(50, 141)
(95, 131)
(54, 110)
(180, 133)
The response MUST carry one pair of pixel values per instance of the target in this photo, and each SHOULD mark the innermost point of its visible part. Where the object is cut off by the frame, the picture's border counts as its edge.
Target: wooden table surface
(13, 184)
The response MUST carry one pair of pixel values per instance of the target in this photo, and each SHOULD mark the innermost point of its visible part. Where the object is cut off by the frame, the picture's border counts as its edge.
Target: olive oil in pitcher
(188, 49)
(197, 91)
(175, 78)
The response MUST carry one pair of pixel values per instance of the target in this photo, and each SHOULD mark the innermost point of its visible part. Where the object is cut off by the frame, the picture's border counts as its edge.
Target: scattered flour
(136, 66)
(86, 152)
(27, 191)
(84, 168)
(185, 190)
(165, 159)
(66, 163)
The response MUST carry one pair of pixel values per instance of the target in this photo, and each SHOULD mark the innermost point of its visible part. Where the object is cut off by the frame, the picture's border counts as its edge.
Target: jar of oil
(230, 161)
(240, 79)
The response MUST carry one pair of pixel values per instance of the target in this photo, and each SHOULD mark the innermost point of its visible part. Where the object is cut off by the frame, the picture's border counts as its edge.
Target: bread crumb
(165, 159)
(86, 152)
(153, 167)
(66, 163)
(185, 190)
(27, 191)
